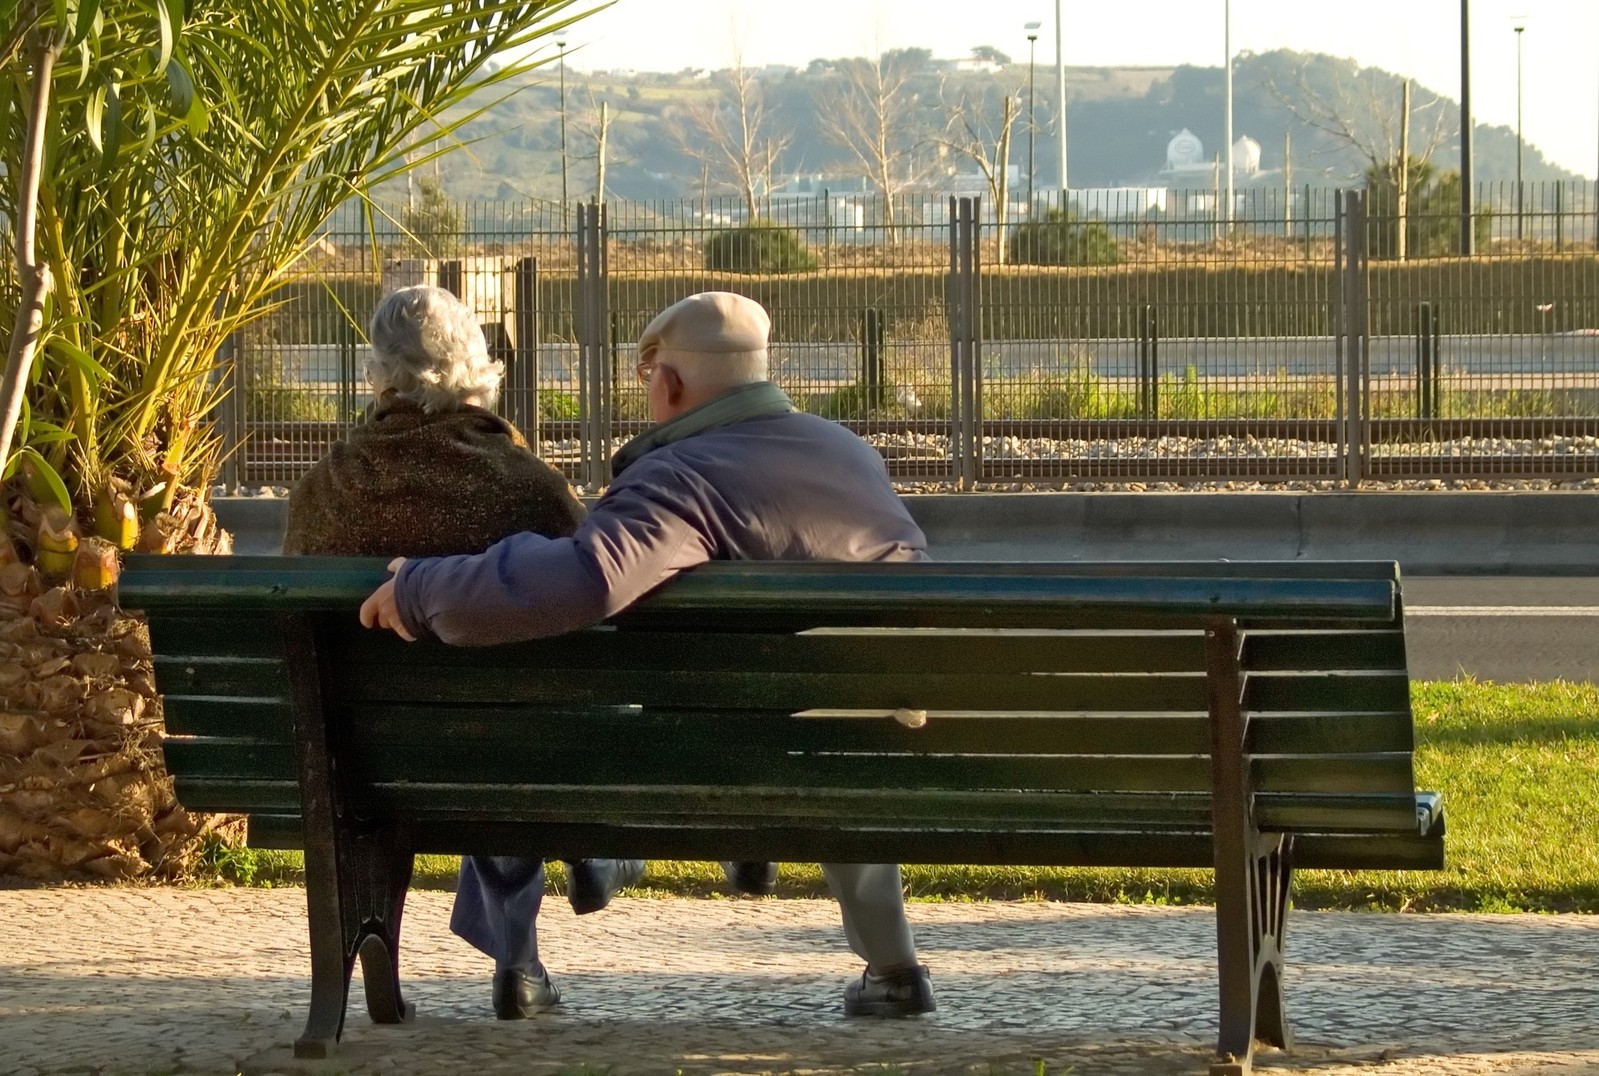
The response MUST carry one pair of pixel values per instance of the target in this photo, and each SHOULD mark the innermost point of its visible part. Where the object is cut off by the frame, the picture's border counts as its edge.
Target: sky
(1419, 38)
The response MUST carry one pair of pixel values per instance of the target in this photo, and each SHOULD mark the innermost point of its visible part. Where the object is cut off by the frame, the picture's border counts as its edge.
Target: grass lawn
(1518, 766)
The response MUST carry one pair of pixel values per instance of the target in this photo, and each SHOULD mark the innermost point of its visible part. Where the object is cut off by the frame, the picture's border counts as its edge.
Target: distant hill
(1119, 121)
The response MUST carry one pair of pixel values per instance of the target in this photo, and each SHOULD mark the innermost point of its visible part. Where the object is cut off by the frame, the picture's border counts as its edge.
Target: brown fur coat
(407, 483)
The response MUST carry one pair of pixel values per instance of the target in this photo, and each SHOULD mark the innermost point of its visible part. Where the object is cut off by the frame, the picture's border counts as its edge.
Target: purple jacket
(778, 487)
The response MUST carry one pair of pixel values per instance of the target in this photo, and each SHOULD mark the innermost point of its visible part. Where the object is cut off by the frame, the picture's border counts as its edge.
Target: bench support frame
(1253, 874)
(355, 876)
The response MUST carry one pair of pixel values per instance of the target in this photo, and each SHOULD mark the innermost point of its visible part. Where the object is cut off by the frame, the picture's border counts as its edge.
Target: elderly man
(432, 471)
(731, 471)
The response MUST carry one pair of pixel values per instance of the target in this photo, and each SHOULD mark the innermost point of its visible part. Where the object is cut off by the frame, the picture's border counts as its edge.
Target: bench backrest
(747, 711)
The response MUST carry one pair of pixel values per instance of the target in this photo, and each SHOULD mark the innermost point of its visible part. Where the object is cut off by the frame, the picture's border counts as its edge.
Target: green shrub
(1432, 221)
(850, 402)
(761, 247)
(275, 391)
(559, 407)
(1062, 239)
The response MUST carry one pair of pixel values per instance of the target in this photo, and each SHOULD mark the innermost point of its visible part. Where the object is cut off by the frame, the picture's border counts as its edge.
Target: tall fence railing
(1307, 334)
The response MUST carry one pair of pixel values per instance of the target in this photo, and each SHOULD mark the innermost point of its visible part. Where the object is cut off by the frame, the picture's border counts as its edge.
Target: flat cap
(710, 322)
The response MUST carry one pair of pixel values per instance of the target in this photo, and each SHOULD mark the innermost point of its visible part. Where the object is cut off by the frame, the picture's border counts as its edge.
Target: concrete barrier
(1430, 533)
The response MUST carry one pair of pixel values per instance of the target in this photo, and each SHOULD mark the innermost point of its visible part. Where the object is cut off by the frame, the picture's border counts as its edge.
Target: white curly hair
(427, 347)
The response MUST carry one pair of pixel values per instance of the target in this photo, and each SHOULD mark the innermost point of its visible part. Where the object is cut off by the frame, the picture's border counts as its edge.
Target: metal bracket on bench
(1253, 873)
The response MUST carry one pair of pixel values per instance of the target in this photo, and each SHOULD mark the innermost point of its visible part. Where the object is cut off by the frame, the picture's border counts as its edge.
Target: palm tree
(164, 168)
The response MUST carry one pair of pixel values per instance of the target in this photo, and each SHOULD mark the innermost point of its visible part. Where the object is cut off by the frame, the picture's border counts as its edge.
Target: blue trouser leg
(497, 908)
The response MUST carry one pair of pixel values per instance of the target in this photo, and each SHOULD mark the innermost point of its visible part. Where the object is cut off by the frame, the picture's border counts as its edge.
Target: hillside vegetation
(1119, 122)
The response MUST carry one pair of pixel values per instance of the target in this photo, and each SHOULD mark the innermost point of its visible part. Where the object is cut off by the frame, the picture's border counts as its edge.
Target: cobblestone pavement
(138, 980)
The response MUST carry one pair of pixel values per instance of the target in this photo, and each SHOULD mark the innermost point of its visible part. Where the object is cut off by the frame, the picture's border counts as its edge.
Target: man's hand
(379, 610)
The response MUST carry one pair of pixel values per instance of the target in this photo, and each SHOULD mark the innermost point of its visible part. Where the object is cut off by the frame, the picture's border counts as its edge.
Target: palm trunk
(31, 270)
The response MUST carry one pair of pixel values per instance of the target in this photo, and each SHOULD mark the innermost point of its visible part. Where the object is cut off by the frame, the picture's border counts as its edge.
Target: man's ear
(672, 384)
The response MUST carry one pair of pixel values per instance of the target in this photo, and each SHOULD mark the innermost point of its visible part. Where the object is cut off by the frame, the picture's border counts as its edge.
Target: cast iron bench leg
(382, 865)
(1253, 874)
(355, 876)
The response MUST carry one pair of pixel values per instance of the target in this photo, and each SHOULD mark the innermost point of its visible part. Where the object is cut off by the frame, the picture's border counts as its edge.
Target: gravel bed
(935, 449)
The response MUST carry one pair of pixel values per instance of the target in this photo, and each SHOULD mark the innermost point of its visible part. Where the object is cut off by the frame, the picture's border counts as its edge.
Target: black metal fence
(1307, 334)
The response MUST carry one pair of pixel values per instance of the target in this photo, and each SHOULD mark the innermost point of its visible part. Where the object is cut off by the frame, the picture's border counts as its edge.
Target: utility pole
(560, 43)
(599, 152)
(1060, 89)
(1521, 214)
(1468, 240)
(1288, 184)
(1402, 246)
(1032, 116)
(1227, 44)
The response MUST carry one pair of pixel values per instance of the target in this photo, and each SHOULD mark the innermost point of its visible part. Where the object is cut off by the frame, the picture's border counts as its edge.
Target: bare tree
(731, 133)
(1360, 113)
(869, 109)
(594, 127)
(973, 134)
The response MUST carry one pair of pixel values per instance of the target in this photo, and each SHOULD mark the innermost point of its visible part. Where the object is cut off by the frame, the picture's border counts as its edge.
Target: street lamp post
(1521, 218)
(1060, 90)
(1227, 45)
(560, 43)
(1032, 115)
(1468, 239)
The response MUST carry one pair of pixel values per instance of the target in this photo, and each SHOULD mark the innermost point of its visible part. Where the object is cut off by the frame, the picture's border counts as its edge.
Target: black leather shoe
(897, 994)
(518, 995)
(756, 879)
(591, 883)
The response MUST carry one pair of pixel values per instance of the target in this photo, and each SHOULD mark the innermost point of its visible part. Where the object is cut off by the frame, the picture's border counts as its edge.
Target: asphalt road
(1503, 628)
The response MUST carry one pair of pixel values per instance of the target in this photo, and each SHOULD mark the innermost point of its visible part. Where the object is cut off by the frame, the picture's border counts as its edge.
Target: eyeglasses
(645, 370)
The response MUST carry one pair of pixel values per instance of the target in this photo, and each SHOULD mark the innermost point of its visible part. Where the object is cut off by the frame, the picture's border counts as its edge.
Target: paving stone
(146, 980)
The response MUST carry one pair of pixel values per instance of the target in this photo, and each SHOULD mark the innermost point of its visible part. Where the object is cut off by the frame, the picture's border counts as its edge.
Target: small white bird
(906, 397)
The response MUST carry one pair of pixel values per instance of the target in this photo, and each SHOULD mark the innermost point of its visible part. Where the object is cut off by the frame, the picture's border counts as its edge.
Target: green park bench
(1245, 717)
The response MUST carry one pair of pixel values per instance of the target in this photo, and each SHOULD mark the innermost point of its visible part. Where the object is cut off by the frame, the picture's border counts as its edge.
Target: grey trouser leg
(872, 899)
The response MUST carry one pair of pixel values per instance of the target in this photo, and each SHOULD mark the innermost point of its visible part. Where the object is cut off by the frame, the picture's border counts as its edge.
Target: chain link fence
(1127, 335)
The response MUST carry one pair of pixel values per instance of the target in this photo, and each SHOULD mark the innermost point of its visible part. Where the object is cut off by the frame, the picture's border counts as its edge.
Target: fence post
(593, 341)
(1309, 229)
(1357, 336)
(1560, 216)
(232, 412)
(1426, 361)
(872, 359)
(523, 377)
(349, 390)
(964, 332)
(1148, 363)
(451, 277)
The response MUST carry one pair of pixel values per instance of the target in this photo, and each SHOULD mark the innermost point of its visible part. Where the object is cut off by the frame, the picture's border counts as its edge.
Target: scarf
(756, 400)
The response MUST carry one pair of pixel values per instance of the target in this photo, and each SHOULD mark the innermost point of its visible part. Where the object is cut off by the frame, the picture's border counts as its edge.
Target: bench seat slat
(1384, 847)
(746, 595)
(232, 717)
(269, 720)
(1281, 692)
(659, 765)
(1382, 648)
(254, 677)
(977, 732)
(705, 689)
(1064, 849)
(841, 650)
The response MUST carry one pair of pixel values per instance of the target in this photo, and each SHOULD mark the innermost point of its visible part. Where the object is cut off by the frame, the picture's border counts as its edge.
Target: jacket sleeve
(527, 586)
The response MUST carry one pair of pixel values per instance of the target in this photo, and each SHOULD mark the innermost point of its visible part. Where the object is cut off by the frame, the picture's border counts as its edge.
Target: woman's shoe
(518, 994)
(756, 879)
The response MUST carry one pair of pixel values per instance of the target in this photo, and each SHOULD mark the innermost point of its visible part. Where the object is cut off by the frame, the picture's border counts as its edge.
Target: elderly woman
(434, 472)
